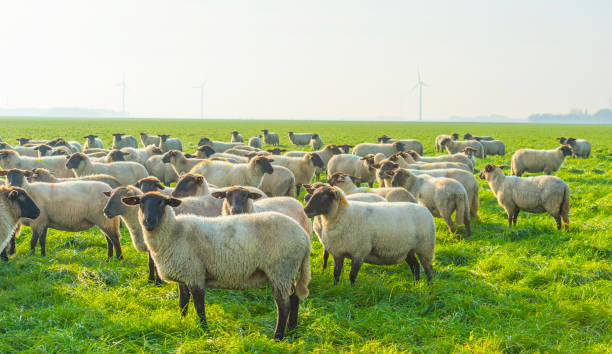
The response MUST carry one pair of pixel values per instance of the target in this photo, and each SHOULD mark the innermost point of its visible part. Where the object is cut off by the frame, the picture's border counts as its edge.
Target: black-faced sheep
(270, 138)
(167, 143)
(547, 161)
(126, 172)
(409, 144)
(236, 137)
(300, 139)
(92, 141)
(454, 146)
(121, 141)
(15, 204)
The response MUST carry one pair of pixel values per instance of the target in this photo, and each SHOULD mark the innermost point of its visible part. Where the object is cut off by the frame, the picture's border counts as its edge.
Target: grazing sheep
(364, 149)
(22, 151)
(270, 138)
(24, 141)
(361, 168)
(15, 204)
(255, 142)
(92, 141)
(147, 140)
(375, 233)
(67, 206)
(236, 137)
(315, 142)
(277, 151)
(205, 152)
(303, 168)
(469, 136)
(441, 195)
(113, 156)
(279, 183)
(217, 146)
(346, 148)
(239, 200)
(409, 144)
(547, 161)
(163, 171)
(224, 174)
(191, 185)
(153, 184)
(581, 147)
(121, 141)
(179, 162)
(168, 143)
(56, 164)
(91, 151)
(126, 172)
(453, 146)
(300, 139)
(44, 175)
(459, 157)
(391, 194)
(140, 155)
(493, 147)
(439, 139)
(325, 155)
(229, 252)
(540, 194)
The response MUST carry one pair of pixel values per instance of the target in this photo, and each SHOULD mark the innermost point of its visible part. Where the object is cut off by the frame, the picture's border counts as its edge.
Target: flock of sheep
(232, 221)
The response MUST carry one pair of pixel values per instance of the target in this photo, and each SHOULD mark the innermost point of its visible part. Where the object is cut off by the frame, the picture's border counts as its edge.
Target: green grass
(530, 288)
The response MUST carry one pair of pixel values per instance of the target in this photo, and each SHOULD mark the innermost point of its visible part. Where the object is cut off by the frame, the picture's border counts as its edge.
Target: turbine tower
(420, 85)
(201, 87)
(123, 87)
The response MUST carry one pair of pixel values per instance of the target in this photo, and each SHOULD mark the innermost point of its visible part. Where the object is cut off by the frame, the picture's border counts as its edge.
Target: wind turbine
(201, 87)
(123, 87)
(420, 85)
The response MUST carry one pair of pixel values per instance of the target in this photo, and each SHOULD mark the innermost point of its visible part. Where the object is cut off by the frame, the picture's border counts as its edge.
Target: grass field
(530, 288)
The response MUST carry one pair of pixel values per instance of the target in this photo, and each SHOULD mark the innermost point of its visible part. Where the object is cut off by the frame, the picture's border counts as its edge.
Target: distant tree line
(575, 116)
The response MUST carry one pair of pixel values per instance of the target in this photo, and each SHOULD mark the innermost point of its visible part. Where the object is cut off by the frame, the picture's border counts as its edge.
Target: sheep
(44, 175)
(224, 174)
(239, 200)
(325, 155)
(538, 194)
(441, 195)
(236, 151)
(581, 147)
(353, 165)
(391, 194)
(408, 162)
(315, 142)
(15, 203)
(163, 171)
(459, 157)
(346, 148)
(147, 140)
(277, 151)
(92, 141)
(205, 152)
(409, 144)
(153, 184)
(95, 151)
(375, 233)
(126, 172)
(547, 161)
(67, 206)
(279, 183)
(270, 138)
(453, 146)
(255, 141)
(179, 162)
(121, 141)
(468, 136)
(439, 139)
(24, 151)
(303, 168)
(230, 252)
(46, 150)
(364, 149)
(168, 143)
(72, 146)
(236, 137)
(24, 141)
(299, 139)
(217, 146)
(55, 164)
(140, 155)
(493, 147)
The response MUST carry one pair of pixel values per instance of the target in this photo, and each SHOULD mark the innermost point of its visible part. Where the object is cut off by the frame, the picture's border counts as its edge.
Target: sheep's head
(16, 177)
(335, 150)
(22, 206)
(264, 163)
(276, 151)
(234, 133)
(467, 136)
(566, 150)
(75, 160)
(368, 161)
(23, 141)
(290, 134)
(171, 156)
(314, 136)
(399, 146)
(265, 131)
(489, 170)
(384, 138)
(236, 199)
(114, 207)
(401, 178)
(311, 188)
(118, 136)
(188, 185)
(571, 142)
(562, 140)
(455, 136)
(116, 155)
(205, 151)
(315, 159)
(153, 150)
(164, 137)
(152, 208)
(339, 179)
(58, 142)
(324, 200)
(91, 138)
(149, 184)
(43, 149)
(415, 155)
(469, 151)
(346, 148)
(445, 141)
(204, 141)
(385, 166)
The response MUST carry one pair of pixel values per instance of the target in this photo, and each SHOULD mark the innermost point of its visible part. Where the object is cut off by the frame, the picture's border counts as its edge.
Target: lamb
(255, 141)
(55, 164)
(375, 233)
(540, 194)
(147, 140)
(409, 144)
(92, 141)
(239, 200)
(391, 194)
(205, 152)
(15, 204)
(224, 174)
(168, 143)
(469, 136)
(44, 175)
(453, 146)
(179, 162)
(230, 252)
(217, 146)
(439, 139)
(325, 155)
(236, 137)
(67, 206)
(121, 141)
(315, 142)
(126, 172)
(364, 149)
(270, 138)
(140, 155)
(581, 147)
(441, 195)
(300, 139)
(360, 168)
(459, 157)
(547, 161)
(493, 147)
(164, 171)
(303, 168)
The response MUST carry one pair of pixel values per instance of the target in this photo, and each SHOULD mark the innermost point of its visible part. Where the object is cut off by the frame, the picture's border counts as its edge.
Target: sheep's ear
(308, 188)
(390, 173)
(254, 196)
(13, 195)
(3, 173)
(108, 194)
(503, 167)
(173, 202)
(489, 168)
(219, 195)
(137, 184)
(131, 201)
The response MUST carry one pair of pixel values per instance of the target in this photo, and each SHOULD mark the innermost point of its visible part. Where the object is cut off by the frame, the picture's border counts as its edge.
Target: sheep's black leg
(109, 248)
(298, 188)
(184, 296)
(510, 216)
(371, 184)
(355, 266)
(294, 304)
(414, 266)
(33, 241)
(199, 296)
(11, 248)
(558, 220)
(282, 310)
(116, 244)
(43, 242)
(151, 269)
(468, 225)
(338, 264)
(325, 257)
(3, 255)
(516, 213)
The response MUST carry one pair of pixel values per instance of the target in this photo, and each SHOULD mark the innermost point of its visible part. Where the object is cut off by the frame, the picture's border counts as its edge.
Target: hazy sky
(307, 59)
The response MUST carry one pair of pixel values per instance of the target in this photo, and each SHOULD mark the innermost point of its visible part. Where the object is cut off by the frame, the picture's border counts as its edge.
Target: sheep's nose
(148, 220)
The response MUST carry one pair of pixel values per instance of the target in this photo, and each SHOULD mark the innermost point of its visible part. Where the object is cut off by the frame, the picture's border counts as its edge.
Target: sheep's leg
(338, 264)
(371, 184)
(294, 305)
(3, 255)
(43, 242)
(184, 296)
(449, 222)
(414, 266)
(282, 309)
(109, 248)
(33, 241)
(298, 188)
(151, 268)
(318, 176)
(468, 225)
(199, 296)
(558, 220)
(426, 262)
(11, 248)
(325, 257)
(112, 236)
(515, 217)
(355, 266)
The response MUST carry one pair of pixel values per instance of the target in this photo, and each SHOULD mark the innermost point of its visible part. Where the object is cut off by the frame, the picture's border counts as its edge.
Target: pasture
(529, 288)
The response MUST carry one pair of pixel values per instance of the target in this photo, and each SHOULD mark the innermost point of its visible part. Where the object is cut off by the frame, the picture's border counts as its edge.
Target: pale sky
(307, 59)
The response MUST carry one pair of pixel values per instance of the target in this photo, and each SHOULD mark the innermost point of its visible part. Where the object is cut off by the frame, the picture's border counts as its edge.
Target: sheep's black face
(28, 209)
(384, 139)
(486, 170)
(187, 186)
(336, 178)
(467, 136)
(164, 137)
(346, 148)
(320, 202)
(116, 155)
(566, 150)
(43, 149)
(152, 207)
(118, 136)
(399, 146)
(290, 134)
(207, 150)
(149, 184)
(316, 160)
(166, 157)
(74, 161)
(203, 141)
(386, 167)
(455, 136)
(16, 177)
(265, 164)
(114, 207)
(237, 198)
(399, 179)
(91, 138)
(23, 141)
(333, 149)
